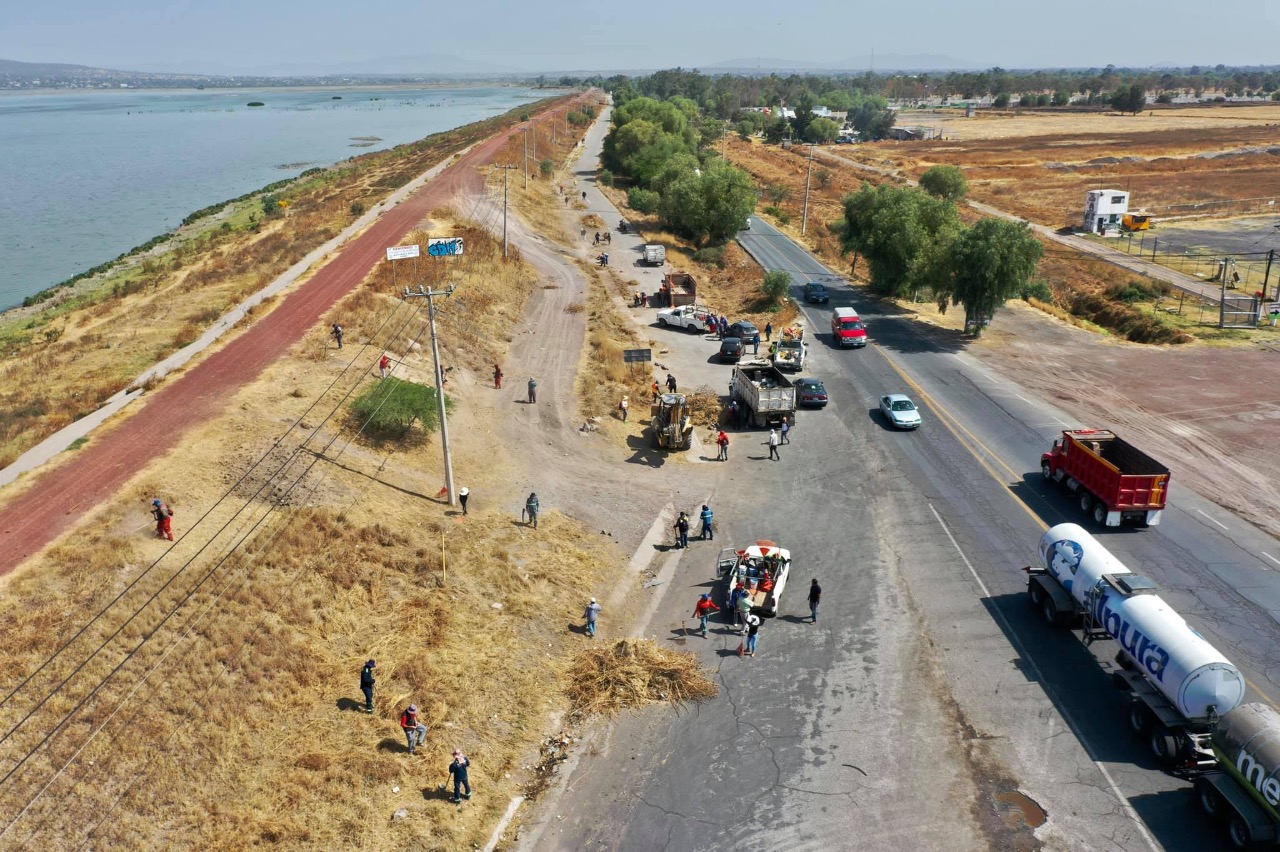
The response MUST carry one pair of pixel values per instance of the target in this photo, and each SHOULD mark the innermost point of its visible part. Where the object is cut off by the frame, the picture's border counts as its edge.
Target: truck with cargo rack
(1180, 684)
(654, 254)
(767, 395)
(761, 568)
(678, 288)
(1114, 480)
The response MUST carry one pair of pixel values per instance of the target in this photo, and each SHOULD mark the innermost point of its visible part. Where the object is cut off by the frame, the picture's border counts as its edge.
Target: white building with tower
(1104, 209)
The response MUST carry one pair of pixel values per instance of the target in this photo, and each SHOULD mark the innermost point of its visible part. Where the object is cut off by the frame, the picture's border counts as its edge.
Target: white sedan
(692, 317)
(900, 411)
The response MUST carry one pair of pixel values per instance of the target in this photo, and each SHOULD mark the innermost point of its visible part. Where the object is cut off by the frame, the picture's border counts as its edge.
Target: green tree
(904, 235)
(1130, 99)
(991, 263)
(271, 206)
(710, 205)
(946, 182)
(777, 130)
(1027, 101)
(778, 192)
(872, 119)
(391, 407)
(1001, 101)
(1061, 98)
(548, 167)
(821, 131)
(643, 200)
(823, 176)
(777, 284)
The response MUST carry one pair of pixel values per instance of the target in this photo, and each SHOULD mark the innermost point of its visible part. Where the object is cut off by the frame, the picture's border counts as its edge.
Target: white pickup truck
(692, 317)
(789, 355)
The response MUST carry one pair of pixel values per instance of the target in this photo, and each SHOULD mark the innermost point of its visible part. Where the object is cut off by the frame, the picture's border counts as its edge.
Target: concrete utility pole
(526, 157)
(804, 220)
(430, 295)
(506, 173)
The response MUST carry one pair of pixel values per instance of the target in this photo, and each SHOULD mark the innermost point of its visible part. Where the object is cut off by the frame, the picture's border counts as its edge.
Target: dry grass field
(1005, 124)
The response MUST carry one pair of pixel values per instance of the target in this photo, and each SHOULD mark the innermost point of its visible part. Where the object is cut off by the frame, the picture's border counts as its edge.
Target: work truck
(767, 395)
(1243, 788)
(789, 355)
(1114, 480)
(678, 288)
(761, 568)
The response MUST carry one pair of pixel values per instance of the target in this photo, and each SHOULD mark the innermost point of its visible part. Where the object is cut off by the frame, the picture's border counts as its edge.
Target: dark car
(731, 349)
(815, 293)
(811, 392)
(743, 330)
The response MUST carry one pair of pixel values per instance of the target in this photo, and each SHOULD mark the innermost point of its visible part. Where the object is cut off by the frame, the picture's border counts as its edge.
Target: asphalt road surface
(929, 707)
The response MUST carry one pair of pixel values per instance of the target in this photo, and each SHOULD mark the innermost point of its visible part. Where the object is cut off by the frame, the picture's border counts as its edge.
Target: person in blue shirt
(458, 770)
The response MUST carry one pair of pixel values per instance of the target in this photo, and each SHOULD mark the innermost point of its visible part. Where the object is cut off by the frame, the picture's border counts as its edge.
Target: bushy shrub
(606, 177)
(1039, 290)
(710, 256)
(643, 200)
(778, 213)
(357, 208)
(546, 168)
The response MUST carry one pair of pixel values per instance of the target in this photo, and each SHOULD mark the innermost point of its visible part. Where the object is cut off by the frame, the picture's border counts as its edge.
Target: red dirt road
(60, 497)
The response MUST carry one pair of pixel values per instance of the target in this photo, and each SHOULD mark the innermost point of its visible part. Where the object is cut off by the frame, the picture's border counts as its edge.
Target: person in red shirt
(384, 366)
(703, 611)
(722, 441)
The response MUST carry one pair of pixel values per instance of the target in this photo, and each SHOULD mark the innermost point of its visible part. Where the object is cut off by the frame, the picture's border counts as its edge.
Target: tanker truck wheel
(1036, 594)
(1210, 799)
(1239, 832)
(1164, 745)
(1050, 612)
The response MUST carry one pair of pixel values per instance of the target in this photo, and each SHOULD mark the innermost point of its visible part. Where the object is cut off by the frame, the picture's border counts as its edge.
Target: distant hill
(12, 68)
(887, 62)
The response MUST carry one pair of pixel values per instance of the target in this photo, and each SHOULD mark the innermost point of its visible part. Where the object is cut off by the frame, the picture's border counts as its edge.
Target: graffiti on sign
(445, 247)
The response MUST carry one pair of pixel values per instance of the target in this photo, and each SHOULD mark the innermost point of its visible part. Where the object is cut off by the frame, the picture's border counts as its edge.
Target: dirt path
(56, 500)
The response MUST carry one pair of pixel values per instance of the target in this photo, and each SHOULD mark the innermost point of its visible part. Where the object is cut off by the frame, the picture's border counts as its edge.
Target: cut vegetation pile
(632, 673)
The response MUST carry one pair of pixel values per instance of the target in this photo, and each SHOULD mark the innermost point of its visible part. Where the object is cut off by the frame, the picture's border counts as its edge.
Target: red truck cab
(847, 329)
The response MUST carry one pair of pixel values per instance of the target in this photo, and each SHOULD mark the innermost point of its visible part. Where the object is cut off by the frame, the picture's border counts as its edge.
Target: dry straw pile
(634, 672)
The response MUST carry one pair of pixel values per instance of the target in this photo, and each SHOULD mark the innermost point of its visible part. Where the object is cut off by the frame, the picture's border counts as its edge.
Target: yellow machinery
(671, 424)
(1136, 222)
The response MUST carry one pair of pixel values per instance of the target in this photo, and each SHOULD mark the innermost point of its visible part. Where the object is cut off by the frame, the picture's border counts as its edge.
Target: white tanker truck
(1181, 684)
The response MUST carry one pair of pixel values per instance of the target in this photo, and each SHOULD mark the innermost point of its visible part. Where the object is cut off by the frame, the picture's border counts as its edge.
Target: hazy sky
(310, 36)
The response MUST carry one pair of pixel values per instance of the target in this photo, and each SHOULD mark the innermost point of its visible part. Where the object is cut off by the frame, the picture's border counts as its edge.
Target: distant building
(1104, 209)
(912, 134)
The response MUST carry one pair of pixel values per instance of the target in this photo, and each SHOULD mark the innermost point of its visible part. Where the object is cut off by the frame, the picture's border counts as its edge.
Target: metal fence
(1249, 272)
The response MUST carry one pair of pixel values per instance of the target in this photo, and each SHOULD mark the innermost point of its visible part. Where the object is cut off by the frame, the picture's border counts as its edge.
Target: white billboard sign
(402, 252)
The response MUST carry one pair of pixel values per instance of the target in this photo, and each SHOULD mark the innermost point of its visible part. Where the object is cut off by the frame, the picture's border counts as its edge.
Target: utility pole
(724, 143)
(430, 295)
(506, 173)
(1266, 276)
(526, 156)
(804, 220)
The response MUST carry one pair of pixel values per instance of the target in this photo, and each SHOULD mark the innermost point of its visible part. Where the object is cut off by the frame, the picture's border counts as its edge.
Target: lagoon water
(87, 175)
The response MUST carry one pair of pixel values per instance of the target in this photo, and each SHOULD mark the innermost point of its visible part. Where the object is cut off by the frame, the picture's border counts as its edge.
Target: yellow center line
(955, 428)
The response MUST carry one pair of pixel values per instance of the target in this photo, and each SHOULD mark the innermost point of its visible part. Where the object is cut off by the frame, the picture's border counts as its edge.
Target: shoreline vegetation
(75, 345)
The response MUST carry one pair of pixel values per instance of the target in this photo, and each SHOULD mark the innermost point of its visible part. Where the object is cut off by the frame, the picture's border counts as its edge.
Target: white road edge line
(1219, 523)
(1066, 715)
(503, 823)
(1269, 556)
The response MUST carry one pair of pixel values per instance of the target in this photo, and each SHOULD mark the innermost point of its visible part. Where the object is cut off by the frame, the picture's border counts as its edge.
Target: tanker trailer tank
(1198, 680)
(1245, 785)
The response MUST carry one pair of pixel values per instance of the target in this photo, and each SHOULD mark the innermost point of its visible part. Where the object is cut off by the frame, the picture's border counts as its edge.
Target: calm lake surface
(85, 176)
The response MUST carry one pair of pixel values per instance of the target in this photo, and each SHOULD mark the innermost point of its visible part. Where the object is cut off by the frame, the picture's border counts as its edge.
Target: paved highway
(930, 707)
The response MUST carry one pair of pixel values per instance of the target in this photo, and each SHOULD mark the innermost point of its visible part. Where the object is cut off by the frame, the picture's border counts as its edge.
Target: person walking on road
(753, 634)
(708, 524)
(671, 383)
(773, 445)
(414, 731)
(755, 343)
(531, 509)
(458, 772)
(336, 331)
(768, 331)
(533, 390)
(463, 494)
(366, 685)
(592, 614)
(497, 377)
(163, 514)
(722, 442)
(703, 611)
(785, 437)
(682, 530)
(815, 598)
(384, 365)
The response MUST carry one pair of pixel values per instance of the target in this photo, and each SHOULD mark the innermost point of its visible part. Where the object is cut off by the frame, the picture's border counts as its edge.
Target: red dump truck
(1114, 480)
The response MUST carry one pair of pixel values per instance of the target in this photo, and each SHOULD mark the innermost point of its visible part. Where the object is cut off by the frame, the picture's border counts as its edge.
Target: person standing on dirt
(163, 514)
(815, 598)
(533, 390)
(384, 365)
(366, 685)
(458, 771)
(497, 377)
(671, 383)
(584, 195)
(773, 445)
(703, 611)
(682, 531)
(597, 242)
(337, 334)
(531, 509)
(624, 407)
(755, 344)
(414, 731)
(592, 614)
(462, 498)
(708, 524)
(722, 441)
(768, 331)
(657, 391)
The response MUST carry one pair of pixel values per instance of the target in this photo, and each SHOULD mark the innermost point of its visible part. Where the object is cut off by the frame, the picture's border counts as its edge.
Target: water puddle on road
(1017, 808)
